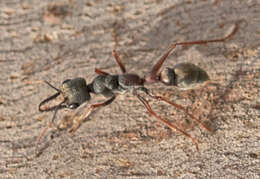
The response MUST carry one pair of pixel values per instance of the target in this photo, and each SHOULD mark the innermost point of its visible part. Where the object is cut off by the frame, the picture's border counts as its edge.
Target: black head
(75, 91)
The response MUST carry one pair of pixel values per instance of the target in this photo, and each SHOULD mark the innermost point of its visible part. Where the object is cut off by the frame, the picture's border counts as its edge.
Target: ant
(76, 91)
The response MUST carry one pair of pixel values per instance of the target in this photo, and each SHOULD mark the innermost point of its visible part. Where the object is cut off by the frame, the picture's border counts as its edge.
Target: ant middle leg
(119, 62)
(100, 72)
(167, 123)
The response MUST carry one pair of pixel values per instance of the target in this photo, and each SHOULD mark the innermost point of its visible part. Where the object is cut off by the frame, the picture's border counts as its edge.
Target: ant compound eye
(66, 81)
(73, 105)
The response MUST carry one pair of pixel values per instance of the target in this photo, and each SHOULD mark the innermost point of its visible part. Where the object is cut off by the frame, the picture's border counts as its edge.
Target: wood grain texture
(42, 40)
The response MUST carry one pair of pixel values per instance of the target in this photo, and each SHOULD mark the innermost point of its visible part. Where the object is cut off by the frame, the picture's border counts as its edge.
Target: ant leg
(60, 106)
(170, 125)
(101, 72)
(180, 107)
(84, 115)
(152, 75)
(121, 65)
(210, 41)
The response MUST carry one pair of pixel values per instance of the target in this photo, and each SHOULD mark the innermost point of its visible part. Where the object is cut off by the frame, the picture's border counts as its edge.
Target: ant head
(75, 91)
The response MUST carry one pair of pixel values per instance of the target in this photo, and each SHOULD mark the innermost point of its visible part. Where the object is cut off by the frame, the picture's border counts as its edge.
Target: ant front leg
(152, 76)
(56, 108)
(79, 119)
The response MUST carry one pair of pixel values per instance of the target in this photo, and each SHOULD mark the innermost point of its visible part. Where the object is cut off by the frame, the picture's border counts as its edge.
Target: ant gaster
(184, 75)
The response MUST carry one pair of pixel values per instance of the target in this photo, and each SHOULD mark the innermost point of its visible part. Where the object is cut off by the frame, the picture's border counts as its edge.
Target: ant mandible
(76, 91)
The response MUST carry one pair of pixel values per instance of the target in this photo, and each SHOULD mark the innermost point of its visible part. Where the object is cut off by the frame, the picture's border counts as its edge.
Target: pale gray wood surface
(122, 139)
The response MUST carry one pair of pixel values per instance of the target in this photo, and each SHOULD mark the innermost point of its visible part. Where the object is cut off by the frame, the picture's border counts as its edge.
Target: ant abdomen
(184, 76)
(75, 91)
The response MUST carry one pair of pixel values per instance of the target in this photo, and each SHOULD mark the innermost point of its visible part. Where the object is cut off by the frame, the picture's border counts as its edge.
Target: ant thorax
(130, 82)
(108, 85)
